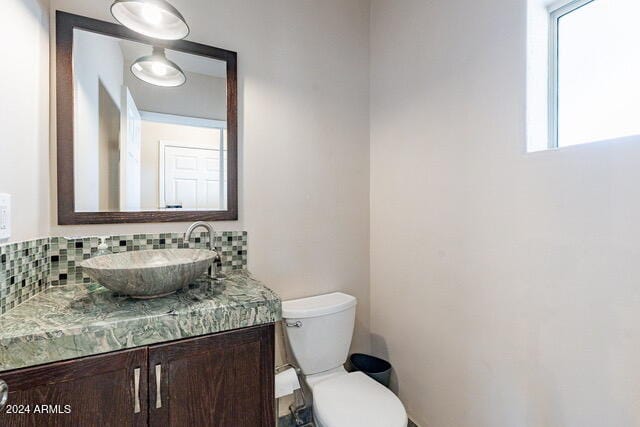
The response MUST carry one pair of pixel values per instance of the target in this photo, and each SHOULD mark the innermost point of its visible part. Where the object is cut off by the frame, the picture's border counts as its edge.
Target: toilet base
(343, 399)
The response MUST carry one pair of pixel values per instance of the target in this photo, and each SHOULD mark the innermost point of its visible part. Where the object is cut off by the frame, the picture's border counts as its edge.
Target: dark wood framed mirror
(135, 147)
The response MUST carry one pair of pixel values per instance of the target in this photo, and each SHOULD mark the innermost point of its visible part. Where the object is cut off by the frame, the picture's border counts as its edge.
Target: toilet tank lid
(320, 305)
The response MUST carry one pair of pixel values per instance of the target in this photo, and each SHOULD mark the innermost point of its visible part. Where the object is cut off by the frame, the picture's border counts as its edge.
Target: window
(594, 72)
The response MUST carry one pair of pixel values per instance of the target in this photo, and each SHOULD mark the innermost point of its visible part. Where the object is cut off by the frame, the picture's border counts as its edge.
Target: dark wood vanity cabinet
(221, 380)
(93, 391)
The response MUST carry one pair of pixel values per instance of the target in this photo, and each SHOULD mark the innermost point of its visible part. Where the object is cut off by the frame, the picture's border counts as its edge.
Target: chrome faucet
(212, 245)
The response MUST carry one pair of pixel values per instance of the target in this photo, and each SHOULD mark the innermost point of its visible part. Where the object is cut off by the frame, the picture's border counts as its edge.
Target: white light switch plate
(5, 216)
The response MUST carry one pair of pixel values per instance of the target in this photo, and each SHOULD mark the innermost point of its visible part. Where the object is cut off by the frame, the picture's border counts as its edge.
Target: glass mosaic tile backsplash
(27, 268)
(24, 271)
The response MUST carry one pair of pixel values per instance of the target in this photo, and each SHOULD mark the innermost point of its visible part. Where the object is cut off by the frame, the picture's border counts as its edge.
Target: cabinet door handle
(158, 391)
(136, 384)
(4, 394)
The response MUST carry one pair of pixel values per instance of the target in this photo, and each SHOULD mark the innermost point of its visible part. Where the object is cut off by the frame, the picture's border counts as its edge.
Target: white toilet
(319, 330)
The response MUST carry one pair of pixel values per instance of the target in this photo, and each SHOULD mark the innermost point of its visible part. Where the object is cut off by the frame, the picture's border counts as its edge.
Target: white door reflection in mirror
(130, 148)
(191, 178)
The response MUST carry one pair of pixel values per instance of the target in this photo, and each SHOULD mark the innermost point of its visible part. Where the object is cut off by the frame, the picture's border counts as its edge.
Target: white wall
(304, 139)
(96, 60)
(24, 106)
(201, 96)
(504, 284)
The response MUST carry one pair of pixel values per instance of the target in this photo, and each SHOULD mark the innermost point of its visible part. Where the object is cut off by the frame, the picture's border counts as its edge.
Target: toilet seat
(355, 400)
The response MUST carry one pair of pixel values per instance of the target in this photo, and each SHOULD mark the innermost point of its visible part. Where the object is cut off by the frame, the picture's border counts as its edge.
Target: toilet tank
(319, 330)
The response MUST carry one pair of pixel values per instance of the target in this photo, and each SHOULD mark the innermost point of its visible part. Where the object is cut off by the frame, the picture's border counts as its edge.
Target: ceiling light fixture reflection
(153, 18)
(157, 70)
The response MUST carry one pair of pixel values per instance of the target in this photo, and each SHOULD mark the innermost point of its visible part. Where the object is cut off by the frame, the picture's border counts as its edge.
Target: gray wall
(97, 63)
(504, 284)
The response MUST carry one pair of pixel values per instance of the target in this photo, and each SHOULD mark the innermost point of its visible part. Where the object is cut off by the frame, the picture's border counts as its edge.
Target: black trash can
(376, 368)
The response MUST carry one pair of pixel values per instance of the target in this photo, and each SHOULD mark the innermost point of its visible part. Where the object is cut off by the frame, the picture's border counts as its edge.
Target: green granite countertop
(67, 322)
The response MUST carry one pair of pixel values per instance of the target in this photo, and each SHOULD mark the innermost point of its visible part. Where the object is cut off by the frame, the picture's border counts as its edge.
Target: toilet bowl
(319, 330)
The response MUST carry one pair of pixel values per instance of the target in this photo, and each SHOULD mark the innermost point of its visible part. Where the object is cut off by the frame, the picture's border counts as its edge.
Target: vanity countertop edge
(73, 321)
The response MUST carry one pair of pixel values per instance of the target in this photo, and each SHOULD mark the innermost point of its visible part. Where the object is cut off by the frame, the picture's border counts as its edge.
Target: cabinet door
(105, 390)
(224, 380)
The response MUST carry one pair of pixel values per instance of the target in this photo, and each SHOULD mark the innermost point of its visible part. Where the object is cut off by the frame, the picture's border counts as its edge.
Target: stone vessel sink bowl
(149, 274)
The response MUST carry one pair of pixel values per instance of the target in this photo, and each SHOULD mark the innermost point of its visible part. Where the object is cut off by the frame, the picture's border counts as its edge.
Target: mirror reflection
(150, 127)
